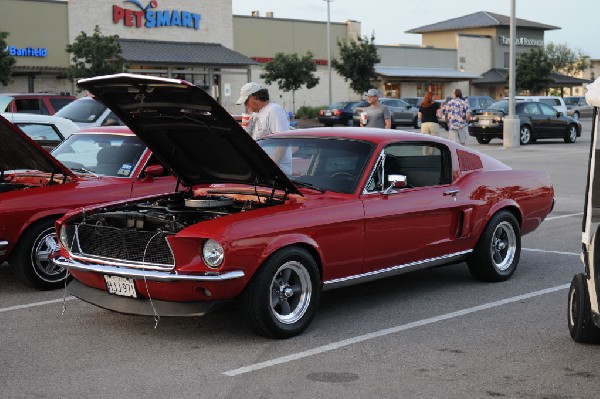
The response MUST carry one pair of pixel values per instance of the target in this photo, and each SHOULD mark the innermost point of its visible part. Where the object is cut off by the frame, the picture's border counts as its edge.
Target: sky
(389, 19)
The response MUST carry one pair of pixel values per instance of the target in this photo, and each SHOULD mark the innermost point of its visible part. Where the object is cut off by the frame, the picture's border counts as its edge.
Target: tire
(579, 318)
(571, 135)
(483, 139)
(416, 123)
(576, 116)
(525, 135)
(29, 260)
(329, 125)
(282, 297)
(496, 255)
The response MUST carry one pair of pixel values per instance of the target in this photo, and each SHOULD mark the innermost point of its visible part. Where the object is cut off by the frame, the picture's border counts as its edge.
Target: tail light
(475, 118)
(321, 112)
(337, 112)
(497, 119)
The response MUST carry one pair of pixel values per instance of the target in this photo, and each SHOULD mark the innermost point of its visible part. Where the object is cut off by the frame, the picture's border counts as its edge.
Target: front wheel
(31, 259)
(571, 135)
(281, 299)
(576, 116)
(525, 135)
(417, 123)
(581, 325)
(498, 250)
(483, 139)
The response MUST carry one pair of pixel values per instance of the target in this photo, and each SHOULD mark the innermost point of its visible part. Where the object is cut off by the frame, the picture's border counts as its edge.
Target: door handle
(453, 193)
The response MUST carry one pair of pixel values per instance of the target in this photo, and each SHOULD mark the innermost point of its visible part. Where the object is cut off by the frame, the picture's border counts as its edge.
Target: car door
(585, 110)
(415, 223)
(556, 126)
(399, 112)
(532, 113)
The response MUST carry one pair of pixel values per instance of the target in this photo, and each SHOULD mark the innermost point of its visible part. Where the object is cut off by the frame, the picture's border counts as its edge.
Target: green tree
(566, 61)
(357, 62)
(533, 71)
(291, 72)
(6, 61)
(95, 55)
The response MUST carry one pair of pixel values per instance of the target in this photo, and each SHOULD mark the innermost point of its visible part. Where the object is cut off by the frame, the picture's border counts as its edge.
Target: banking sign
(150, 17)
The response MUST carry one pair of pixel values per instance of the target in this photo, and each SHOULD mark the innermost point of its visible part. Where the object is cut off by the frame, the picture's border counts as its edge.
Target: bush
(305, 112)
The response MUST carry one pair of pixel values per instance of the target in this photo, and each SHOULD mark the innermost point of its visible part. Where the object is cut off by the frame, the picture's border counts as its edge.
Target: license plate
(327, 113)
(485, 122)
(122, 286)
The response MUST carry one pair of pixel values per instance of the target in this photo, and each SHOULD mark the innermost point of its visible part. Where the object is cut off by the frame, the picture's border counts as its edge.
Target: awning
(424, 73)
(499, 77)
(163, 53)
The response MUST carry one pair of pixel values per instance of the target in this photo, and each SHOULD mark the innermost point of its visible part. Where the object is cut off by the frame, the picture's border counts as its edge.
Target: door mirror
(395, 181)
(154, 171)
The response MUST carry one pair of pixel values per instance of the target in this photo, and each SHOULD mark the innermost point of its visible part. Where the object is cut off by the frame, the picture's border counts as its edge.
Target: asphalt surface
(431, 334)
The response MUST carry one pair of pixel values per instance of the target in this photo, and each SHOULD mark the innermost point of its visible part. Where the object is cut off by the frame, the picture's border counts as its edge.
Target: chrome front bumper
(150, 275)
(3, 246)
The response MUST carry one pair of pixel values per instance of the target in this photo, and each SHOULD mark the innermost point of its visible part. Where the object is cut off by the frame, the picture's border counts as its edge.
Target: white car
(48, 131)
(89, 112)
(554, 101)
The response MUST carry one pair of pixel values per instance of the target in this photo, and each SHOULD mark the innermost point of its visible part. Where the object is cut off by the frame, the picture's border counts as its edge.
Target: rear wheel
(498, 250)
(525, 135)
(281, 299)
(581, 325)
(571, 135)
(483, 139)
(31, 262)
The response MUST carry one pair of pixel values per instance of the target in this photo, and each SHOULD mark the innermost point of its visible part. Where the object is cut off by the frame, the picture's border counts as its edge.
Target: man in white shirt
(268, 118)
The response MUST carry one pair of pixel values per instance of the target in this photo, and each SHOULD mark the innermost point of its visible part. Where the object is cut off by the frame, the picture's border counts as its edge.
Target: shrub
(305, 112)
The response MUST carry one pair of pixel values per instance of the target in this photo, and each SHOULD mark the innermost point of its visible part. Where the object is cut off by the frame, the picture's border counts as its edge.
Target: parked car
(583, 298)
(577, 107)
(554, 101)
(36, 188)
(479, 102)
(89, 112)
(355, 205)
(47, 131)
(537, 121)
(340, 113)
(37, 103)
(413, 101)
(402, 113)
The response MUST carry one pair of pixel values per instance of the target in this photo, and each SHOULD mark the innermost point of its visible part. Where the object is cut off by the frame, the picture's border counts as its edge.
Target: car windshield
(571, 100)
(338, 105)
(500, 105)
(101, 154)
(322, 163)
(84, 109)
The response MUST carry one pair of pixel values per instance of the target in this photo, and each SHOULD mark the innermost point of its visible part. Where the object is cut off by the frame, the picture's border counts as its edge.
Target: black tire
(571, 134)
(579, 317)
(29, 260)
(498, 250)
(329, 125)
(525, 135)
(483, 139)
(282, 297)
(417, 123)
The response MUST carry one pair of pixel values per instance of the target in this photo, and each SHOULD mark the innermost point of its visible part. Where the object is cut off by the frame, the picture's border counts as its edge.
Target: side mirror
(154, 171)
(396, 181)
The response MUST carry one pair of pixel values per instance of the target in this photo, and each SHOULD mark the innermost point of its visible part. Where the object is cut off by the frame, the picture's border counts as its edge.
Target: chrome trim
(399, 269)
(123, 263)
(151, 275)
(3, 244)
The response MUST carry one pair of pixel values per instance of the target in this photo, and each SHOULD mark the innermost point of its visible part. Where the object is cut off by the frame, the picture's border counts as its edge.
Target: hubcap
(573, 133)
(573, 308)
(291, 290)
(40, 257)
(525, 135)
(504, 246)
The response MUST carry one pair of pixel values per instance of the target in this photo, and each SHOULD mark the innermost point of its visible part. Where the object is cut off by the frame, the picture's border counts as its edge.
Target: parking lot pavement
(434, 333)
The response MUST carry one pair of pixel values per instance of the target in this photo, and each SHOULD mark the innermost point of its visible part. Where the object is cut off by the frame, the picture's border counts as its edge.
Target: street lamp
(329, 48)
(511, 130)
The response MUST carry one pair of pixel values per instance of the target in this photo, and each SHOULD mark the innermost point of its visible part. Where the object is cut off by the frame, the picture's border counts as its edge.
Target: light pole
(329, 48)
(511, 134)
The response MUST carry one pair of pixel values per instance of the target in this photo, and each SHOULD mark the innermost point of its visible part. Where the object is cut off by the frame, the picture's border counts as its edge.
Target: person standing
(268, 117)
(458, 114)
(377, 114)
(429, 114)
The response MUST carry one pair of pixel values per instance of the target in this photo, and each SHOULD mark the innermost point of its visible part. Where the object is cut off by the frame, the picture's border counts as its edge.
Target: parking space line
(34, 304)
(551, 252)
(564, 216)
(388, 331)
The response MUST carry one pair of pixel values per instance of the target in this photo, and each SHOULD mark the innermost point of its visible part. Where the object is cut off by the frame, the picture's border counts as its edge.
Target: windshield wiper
(84, 170)
(307, 185)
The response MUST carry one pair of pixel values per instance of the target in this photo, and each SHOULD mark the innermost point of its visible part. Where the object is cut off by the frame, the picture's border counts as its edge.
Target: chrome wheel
(525, 135)
(46, 244)
(291, 291)
(504, 246)
(571, 135)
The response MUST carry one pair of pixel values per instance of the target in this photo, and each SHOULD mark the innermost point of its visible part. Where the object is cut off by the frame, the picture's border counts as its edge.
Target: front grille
(122, 244)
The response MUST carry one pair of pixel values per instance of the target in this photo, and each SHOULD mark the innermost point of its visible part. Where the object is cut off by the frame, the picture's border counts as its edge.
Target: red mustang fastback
(352, 205)
(36, 188)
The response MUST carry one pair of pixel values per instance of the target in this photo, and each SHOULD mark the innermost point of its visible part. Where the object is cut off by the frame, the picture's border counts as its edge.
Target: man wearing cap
(269, 117)
(376, 115)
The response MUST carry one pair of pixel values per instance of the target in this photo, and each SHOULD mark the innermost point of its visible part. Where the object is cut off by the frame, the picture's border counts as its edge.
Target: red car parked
(353, 205)
(36, 188)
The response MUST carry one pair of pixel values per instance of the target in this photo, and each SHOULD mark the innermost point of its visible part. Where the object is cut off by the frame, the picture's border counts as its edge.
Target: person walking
(457, 114)
(268, 117)
(429, 114)
(376, 114)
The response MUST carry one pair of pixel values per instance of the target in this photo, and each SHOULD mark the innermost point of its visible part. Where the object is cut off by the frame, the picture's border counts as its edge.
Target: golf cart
(584, 293)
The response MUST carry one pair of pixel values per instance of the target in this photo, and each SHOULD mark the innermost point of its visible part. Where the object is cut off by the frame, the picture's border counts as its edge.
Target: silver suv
(577, 107)
(402, 113)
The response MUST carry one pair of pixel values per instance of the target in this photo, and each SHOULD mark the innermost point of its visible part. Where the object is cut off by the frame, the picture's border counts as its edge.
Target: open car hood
(19, 151)
(187, 130)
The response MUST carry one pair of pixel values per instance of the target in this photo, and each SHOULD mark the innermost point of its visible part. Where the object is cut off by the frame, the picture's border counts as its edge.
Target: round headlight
(212, 253)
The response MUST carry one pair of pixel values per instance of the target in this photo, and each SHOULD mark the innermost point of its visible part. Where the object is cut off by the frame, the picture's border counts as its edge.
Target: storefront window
(436, 88)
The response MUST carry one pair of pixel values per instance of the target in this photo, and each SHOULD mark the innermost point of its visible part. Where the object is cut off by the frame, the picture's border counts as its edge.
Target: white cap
(247, 90)
(373, 93)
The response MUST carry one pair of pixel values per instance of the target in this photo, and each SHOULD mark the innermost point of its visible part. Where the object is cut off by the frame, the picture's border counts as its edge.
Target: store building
(205, 44)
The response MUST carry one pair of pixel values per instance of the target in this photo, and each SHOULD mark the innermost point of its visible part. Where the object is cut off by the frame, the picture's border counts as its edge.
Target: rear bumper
(139, 306)
(495, 131)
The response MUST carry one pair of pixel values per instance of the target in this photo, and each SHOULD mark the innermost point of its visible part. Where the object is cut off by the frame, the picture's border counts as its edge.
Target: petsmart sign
(150, 17)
